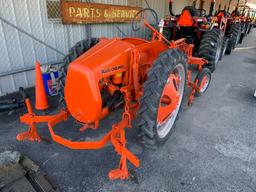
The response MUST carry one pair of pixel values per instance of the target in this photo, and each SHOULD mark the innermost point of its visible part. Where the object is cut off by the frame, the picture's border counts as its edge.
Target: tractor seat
(224, 12)
(193, 11)
(186, 17)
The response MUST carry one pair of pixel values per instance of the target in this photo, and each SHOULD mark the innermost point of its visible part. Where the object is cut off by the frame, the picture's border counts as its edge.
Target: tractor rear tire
(234, 33)
(229, 47)
(80, 48)
(243, 33)
(241, 38)
(210, 47)
(224, 47)
(76, 51)
(250, 28)
(158, 77)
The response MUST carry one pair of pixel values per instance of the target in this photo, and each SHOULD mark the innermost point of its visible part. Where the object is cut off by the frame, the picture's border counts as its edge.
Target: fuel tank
(82, 92)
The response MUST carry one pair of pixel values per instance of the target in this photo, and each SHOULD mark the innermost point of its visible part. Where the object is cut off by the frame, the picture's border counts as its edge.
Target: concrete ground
(213, 147)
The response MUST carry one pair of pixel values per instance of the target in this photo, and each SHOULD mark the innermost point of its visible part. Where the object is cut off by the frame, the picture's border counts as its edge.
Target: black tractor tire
(229, 47)
(210, 47)
(224, 47)
(241, 38)
(153, 89)
(247, 25)
(239, 34)
(234, 33)
(250, 28)
(243, 33)
(193, 11)
(76, 51)
(80, 48)
(205, 72)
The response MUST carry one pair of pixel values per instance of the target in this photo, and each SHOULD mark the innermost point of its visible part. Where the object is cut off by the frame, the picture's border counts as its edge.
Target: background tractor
(231, 27)
(146, 79)
(195, 25)
(245, 14)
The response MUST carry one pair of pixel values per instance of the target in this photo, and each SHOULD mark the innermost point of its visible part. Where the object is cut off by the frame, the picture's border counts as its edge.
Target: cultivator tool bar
(116, 137)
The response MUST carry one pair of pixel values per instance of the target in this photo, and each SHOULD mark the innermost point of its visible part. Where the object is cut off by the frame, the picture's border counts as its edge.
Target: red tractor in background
(195, 25)
(245, 14)
(231, 27)
(253, 19)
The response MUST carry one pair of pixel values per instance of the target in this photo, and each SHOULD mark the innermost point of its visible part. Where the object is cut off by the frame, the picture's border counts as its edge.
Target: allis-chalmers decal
(108, 70)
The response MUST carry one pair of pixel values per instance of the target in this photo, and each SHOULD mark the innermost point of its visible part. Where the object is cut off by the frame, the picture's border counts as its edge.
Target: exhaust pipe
(212, 7)
(229, 3)
(170, 7)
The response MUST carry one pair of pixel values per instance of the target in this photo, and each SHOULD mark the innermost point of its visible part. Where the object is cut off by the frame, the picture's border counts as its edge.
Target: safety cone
(41, 99)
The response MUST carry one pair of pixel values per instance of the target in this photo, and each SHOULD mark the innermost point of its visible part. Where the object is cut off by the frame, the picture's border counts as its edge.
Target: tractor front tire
(210, 47)
(169, 64)
(76, 51)
(204, 79)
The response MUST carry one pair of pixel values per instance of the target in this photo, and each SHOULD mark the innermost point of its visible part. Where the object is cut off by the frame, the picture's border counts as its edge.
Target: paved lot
(212, 149)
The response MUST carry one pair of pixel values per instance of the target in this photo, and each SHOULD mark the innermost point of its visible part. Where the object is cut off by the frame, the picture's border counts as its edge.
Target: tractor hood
(82, 92)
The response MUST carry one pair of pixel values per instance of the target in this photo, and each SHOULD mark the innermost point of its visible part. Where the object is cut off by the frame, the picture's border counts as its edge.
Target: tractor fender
(82, 90)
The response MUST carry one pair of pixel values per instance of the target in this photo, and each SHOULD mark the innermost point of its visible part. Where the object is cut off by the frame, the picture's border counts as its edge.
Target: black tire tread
(234, 34)
(76, 51)
(199, 77)
(207, 50)
(153, 87)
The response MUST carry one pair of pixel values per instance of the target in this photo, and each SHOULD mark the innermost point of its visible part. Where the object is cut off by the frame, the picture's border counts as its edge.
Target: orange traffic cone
(41, 99)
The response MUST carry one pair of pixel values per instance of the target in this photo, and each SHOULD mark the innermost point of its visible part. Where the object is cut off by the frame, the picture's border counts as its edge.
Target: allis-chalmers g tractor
(147, 79)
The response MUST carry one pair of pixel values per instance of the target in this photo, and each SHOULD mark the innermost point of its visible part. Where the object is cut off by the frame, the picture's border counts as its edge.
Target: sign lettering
(79, 13)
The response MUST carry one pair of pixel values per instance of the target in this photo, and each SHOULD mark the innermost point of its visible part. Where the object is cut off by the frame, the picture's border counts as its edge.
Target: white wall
(18, 51)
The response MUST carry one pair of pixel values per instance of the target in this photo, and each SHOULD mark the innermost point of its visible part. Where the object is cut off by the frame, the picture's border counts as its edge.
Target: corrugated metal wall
(18, 50)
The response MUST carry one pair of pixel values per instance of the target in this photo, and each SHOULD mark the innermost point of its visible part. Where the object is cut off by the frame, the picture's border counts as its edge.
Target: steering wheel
(202, 12)
(135, 26)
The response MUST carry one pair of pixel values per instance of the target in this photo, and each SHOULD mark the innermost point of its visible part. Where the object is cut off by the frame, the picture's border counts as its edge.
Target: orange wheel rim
(204, 83)
(170, 100)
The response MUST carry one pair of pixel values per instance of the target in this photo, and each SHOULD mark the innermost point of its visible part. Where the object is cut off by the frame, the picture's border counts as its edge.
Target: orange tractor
(146, 79)
(194, 25)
